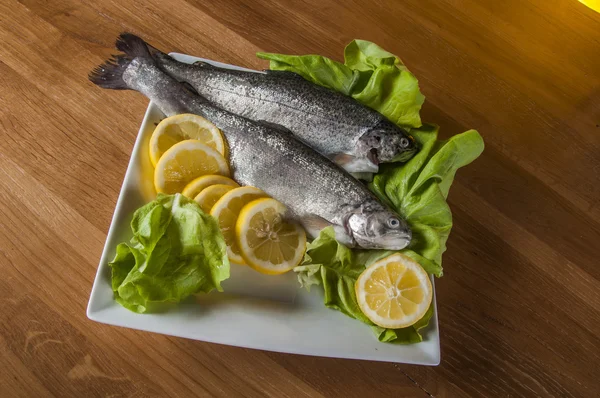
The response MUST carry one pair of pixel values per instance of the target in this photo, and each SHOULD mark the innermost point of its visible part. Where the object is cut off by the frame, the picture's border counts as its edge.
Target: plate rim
(97, 315)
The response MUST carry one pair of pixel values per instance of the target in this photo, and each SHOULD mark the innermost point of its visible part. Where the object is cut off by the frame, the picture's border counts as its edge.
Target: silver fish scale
(284, 98)
(287, 169)
(275, 161)
(293, 173)
(263, 156)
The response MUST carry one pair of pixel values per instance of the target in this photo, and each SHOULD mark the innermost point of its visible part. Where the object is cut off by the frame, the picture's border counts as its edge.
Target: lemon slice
(195, 186)
(210, 195)
(184, 162)
(182, 127)
(394, 292)
(226, 211)
(267, 243)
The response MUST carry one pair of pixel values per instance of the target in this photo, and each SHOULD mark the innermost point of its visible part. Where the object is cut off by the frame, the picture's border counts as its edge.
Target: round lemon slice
(394, 292)
(267, 243)
(182, 127)
(210, 195)
(196, 186)
(184, 162)
(226, 211)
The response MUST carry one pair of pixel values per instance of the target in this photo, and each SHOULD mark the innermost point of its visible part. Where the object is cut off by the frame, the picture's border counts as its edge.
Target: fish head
(387, 143)
(373, 226)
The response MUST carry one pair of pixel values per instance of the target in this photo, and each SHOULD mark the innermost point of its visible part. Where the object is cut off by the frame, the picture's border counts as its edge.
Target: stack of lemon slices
(189, 156)
(183, 148)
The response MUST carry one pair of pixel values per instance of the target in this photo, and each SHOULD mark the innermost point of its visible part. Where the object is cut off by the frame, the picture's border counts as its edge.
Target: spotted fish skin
(353, 135)
(316, 191)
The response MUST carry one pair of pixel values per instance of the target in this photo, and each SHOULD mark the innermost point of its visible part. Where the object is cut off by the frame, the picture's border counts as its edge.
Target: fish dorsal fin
(363, 176)
(283, 74)
(190, 88)
(203, 64)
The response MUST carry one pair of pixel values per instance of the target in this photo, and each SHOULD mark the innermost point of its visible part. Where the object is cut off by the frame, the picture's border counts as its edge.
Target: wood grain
(518, 304)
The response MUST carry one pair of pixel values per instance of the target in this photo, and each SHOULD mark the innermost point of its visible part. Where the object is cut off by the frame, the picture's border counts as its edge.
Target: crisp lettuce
(366, 69)
(416, 189)
(176, 251)
(336, 268)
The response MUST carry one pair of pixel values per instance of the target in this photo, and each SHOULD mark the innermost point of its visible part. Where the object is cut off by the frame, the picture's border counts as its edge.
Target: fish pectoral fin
(313, 224)
(342, 236)
(354, 164)
(282, 73)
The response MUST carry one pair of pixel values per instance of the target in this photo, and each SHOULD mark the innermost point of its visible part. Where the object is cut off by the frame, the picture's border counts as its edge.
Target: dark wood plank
(519, 301)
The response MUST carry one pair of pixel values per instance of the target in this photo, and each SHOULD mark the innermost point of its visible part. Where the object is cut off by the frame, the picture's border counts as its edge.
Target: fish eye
(404, 142)
(394, 222)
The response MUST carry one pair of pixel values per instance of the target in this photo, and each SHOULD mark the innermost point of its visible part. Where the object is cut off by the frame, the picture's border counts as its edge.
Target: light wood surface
(519, 301)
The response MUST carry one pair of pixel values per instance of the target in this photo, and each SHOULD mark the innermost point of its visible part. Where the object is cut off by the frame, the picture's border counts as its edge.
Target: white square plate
(256, 311)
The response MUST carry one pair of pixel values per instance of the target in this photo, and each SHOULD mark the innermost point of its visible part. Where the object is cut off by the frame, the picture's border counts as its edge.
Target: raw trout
(316, 191)
(356, 137)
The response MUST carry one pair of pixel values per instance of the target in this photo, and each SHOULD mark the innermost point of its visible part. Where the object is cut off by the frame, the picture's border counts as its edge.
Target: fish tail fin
(134, 46)
(110, 74)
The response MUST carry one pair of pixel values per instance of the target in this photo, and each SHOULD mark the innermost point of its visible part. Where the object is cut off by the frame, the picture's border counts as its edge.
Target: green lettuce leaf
(416, 189)
(419, 188)
(336, 268)
(317, 69)
(176, 251)
(366, 69)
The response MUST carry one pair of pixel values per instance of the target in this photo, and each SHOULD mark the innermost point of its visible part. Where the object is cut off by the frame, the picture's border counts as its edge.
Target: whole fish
(356, 137)
(316, 191)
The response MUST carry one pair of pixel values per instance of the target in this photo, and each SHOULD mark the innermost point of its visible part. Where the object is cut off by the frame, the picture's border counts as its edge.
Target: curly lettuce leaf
(336, 268)
(416, 189)
(419, 188)
(366, 69)
(176, 251)
(317, 69)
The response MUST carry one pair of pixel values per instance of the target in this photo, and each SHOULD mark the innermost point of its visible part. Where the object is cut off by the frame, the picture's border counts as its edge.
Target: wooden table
(518, 304)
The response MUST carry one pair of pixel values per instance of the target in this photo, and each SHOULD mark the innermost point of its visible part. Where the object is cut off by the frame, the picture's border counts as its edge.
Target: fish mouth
(397, 245)
(373, 156)
(395, 242)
